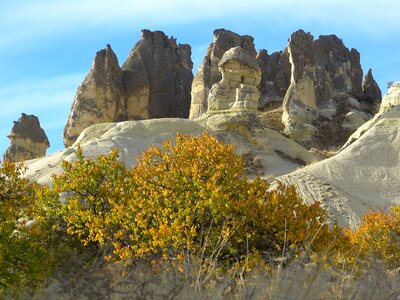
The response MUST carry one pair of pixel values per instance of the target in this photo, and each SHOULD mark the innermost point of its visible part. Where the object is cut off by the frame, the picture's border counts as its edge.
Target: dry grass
(103, 280)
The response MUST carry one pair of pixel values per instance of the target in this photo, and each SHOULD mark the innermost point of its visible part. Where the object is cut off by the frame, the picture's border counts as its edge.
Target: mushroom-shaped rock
(27, 139)
(237, 89)
(208, 74)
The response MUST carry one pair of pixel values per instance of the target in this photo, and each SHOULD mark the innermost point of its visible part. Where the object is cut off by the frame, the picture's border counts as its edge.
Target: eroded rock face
(275, 79)
(326, 84)
(100, 98)
(27, 140)
(154, 82)
(208, 73)
(364, 174)
(237, 89)
(157, 78)
(372, 95)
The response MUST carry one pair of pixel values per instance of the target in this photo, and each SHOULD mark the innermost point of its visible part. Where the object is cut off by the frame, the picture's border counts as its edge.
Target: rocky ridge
(27, 140)
(325, 86)
(364, 174)
(231, 117)
(154, 82)
(326, 98)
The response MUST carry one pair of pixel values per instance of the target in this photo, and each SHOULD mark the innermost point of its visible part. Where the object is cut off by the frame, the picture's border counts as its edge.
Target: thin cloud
(39, 97)
(38, 94)
(28, 20)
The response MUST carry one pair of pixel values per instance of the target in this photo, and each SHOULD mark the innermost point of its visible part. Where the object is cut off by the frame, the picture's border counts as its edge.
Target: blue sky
(46, 47)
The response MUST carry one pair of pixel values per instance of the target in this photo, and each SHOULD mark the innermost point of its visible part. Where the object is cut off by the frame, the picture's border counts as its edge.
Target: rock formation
(365, 174)
(158, 77)
(275, 79)
(326, 84)
(237, 89)
(100, 98)
(27, 140)
(372, 95)
(154, 82)
(208, 73)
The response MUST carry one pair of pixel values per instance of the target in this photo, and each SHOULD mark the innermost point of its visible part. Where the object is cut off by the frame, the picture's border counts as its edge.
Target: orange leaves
(378, 236)
(188, 197)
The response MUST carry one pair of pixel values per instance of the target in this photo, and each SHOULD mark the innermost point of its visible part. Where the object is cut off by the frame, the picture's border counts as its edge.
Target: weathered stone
(100, 97)
(158, 77)
(237, 89)
(267, 153)
(325, 86)
(154, 82)
(372, 95)
(27, 140)
(392, 98)
(363, 175)
(208, 73)
(275, 78)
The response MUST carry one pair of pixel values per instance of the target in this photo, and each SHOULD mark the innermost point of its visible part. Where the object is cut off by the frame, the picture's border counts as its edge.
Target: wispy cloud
(49, 99)
(28, 20)
(38, 94)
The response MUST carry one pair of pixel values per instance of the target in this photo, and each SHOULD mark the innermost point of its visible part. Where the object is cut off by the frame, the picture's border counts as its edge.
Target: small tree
(378, 236)
(23, 253)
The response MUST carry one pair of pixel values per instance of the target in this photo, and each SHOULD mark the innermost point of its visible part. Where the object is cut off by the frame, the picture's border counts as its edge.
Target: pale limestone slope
(364, 175)
(259, 145)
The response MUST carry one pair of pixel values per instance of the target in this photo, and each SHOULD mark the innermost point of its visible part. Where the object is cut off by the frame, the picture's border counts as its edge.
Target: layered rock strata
(27, 140)
(154, 82)
(237, 89)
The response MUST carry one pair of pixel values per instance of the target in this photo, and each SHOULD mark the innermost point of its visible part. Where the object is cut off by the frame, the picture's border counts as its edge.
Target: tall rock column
(27, 140)
(158, 77)
(372, 95)
(208, 73)
(300, 102)
(99, 99)
(154, 82)
(325, 101)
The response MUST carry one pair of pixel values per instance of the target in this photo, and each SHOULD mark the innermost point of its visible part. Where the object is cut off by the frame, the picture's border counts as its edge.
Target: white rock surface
(364, 175)
(268, 153)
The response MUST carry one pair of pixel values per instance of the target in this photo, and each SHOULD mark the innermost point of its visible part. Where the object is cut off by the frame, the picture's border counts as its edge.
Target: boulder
(154, 82)
(237, 89)
(27, 140)
(100, 98)
(326, 84)
(208, 73)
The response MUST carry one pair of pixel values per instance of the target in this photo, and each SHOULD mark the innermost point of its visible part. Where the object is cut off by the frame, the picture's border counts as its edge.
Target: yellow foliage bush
(187, 198)
(23, 249)
(86, 196)
(378, 237)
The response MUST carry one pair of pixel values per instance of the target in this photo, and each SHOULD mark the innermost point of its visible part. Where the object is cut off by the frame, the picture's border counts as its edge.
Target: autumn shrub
(378, 237)
(23, 249)
(85, 196)
(185, 199)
